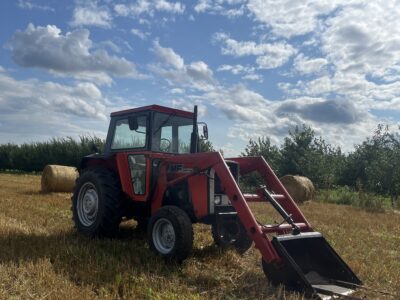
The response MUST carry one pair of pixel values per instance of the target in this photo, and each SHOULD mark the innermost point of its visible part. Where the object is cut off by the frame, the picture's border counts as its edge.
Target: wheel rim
(87, 204)
(163, 236)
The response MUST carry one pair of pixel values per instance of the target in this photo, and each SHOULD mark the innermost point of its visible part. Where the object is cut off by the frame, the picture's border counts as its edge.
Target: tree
(304, 154)
(296, 151)
(206, 146)
(375, 164)
(262, 147)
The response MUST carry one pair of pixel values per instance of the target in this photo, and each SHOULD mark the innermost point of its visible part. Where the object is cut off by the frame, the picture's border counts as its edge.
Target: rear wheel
(170, 233)
(95, 203)
(231, 233)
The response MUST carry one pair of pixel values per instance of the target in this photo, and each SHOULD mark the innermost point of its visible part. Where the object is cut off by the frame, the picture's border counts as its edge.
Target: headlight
(217, 200)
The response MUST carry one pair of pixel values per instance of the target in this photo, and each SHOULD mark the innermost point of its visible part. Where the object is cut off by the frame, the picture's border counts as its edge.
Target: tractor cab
(154, 128)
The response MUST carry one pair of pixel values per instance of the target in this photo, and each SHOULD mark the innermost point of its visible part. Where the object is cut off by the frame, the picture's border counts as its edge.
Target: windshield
(171, 133)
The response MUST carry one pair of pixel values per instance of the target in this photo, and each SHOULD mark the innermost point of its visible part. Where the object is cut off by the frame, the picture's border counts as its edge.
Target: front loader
(152, 171)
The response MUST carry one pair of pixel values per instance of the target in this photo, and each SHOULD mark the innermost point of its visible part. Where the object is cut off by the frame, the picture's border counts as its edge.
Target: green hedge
(33, 157)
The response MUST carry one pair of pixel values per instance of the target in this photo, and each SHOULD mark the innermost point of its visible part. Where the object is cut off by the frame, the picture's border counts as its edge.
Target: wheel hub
(87, 204)
(163, 236)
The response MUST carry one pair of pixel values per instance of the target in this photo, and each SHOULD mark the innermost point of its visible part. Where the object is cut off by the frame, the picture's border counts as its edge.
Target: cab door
(134, 170)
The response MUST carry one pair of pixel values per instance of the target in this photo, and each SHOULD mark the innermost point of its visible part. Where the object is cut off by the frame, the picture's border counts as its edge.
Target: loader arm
(201, 162)
(271, 181)
(297, 257)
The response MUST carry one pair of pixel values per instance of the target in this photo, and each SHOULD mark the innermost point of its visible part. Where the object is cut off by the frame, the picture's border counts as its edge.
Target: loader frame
(201, 162)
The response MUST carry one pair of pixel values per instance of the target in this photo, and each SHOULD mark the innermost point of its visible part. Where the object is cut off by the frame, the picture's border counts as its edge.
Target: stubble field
(42, 257)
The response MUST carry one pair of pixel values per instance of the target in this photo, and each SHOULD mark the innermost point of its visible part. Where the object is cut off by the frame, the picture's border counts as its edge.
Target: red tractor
(152, 171)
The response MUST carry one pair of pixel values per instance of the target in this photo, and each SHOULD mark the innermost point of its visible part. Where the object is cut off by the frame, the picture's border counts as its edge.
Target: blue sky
(254, 67)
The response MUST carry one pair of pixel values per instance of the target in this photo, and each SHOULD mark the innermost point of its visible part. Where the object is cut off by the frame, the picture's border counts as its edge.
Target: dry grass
(42, 257)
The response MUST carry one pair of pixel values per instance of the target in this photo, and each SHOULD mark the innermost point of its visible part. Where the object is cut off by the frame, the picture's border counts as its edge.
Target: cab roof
(154, 107)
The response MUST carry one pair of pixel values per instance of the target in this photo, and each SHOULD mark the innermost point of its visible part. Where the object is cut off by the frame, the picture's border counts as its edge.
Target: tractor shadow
(94, 262)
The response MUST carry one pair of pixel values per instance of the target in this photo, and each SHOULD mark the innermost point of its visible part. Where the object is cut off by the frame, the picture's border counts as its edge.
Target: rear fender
(97, 160)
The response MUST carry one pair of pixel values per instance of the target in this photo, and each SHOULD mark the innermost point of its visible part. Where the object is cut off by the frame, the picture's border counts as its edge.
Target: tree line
(34, 157)
(373, 166)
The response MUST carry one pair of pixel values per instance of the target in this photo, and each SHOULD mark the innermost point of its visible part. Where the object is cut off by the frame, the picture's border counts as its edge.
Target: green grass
(42, 257)
(347, 196)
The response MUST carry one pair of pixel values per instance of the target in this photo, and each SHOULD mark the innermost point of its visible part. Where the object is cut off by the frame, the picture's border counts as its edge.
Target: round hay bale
(300, 188)
(58, 178)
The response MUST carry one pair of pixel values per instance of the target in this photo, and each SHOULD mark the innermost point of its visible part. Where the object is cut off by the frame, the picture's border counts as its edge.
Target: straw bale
(299, 187)
(57, 178)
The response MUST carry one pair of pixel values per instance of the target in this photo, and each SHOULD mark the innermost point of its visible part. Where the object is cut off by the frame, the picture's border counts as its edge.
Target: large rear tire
(96, 203)
(170, 233)
(231, 233)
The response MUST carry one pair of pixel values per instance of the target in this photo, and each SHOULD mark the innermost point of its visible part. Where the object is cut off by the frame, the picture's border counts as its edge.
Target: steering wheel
(165, 145)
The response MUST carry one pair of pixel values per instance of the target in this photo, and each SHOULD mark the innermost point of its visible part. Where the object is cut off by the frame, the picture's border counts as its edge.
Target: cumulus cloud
(196, 75)
(168, 56)
(149, 7)
(91, 15)
(247, 72)
(289, 18)
(140, 34)
(171, 7)
(70, 54)
(228, 8)
(364, 39)
(32, 110)
(359, 57)
(269, 55)
(306, 65)
(29, 5)
(82, 99)
(323, 111)
(251, 114)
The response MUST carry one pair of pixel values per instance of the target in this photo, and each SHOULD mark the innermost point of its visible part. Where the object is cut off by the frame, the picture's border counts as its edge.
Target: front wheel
(231, 233)
(170, 233)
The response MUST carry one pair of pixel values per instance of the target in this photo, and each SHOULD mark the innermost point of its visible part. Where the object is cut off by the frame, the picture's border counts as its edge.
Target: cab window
(125, 138)
(171, 133)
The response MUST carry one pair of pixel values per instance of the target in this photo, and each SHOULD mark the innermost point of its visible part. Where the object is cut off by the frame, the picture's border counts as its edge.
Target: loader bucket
(310, 265)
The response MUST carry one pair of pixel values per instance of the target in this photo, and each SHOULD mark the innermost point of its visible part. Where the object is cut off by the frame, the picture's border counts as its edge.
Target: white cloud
(82, 99)
(289, 18)
(306, 65)
(338, 121)
(196, 75)
(149, 7)
(364, 39)
(27, 4)
(91, 15)
(269, 55)
(228, 8)
(32, 110)
(359, 43)
(247, 72)
(70, 54)
(177, 91)
(168, 56)
(202, 6)
(171, 7)
(140, 34)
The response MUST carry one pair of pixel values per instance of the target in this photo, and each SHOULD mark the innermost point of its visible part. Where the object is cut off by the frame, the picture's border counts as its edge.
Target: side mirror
(133, 123)
(203, 130)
